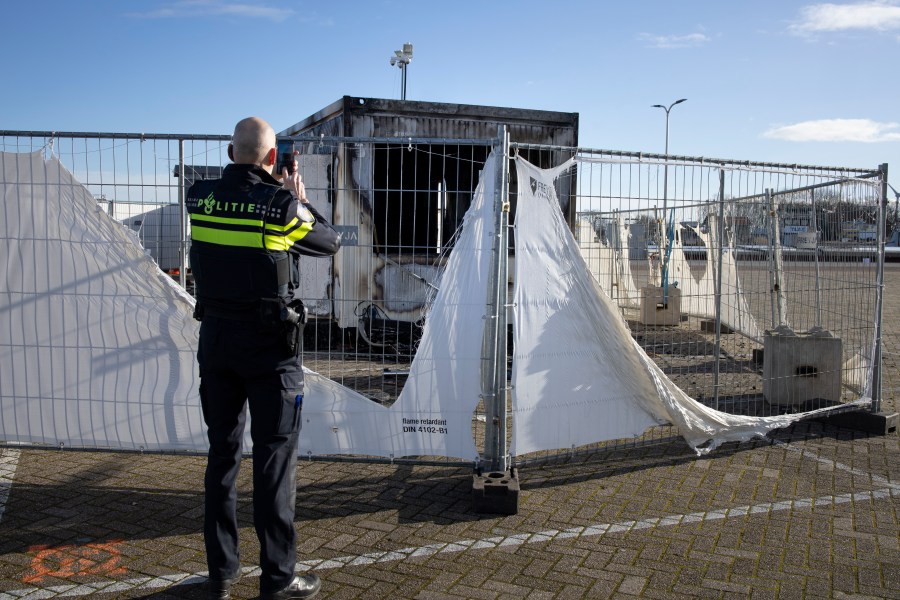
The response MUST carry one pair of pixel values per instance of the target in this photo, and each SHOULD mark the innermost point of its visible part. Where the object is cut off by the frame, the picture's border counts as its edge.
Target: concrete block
(653, 312)
(496, 492)
(801, 366)
(880, 423)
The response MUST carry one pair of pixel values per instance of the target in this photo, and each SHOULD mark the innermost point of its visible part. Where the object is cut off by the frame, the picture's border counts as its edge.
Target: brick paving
(810, 513)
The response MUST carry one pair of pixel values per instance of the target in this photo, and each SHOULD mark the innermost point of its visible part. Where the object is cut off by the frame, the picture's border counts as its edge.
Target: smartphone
(285, 157)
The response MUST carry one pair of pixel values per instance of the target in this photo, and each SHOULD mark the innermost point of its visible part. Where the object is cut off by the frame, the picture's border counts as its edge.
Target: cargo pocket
(291, 402)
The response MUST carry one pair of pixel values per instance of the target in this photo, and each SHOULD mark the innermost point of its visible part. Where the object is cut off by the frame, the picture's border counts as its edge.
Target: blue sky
(781, 81)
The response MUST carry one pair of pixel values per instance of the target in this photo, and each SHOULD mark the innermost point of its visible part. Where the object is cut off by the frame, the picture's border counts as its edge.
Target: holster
(293, 319)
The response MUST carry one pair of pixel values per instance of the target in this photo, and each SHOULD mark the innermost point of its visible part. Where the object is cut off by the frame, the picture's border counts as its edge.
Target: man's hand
(293, 181)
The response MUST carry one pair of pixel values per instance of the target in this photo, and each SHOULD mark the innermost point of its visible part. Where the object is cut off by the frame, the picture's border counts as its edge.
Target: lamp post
(664, 255)
(401, 59)
(896, 207)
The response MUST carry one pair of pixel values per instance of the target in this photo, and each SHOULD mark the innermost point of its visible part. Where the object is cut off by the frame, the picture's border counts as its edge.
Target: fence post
(500, 377)
(182, 259)
(617, 268)
(720, 235)
(493, 372)
(779, 304)
(498, 490)
(879, 293)
(815, 227)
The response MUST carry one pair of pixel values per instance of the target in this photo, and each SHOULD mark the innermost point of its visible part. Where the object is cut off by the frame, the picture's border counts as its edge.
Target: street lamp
(896, 211)
(401, 59)
(664, 247)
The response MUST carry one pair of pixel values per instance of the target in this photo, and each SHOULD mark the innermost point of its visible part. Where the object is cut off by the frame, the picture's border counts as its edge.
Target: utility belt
(270, 313)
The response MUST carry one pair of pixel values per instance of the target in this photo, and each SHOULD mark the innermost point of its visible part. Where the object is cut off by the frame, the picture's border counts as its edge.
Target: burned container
(396, 178)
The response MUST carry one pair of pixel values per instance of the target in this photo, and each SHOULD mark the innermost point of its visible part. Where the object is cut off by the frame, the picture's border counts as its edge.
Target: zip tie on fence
(48, 145)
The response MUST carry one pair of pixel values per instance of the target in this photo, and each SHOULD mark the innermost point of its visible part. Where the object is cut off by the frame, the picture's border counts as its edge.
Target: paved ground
(814, 514)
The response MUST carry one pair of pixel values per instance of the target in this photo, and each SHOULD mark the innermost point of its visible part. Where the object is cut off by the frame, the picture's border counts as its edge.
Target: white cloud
(880, 15)
(837, 130)
(213, 8)
(674, 41)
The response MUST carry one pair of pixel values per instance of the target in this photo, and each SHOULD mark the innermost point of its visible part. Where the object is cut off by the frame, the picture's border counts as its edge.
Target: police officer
(247, 230)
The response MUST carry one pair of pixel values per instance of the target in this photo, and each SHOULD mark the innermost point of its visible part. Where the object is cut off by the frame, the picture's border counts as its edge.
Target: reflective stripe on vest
(246, 233)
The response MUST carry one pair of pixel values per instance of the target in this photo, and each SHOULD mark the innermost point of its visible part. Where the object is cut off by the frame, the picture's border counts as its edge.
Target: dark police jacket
(246, 235)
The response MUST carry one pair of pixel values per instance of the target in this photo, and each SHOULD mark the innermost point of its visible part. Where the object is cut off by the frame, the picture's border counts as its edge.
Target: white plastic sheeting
(698, 289)
(96, 344)
(578, 376)
(610, 266)
(97, 347)
(433, 415)
(698, 294)
(575, 376)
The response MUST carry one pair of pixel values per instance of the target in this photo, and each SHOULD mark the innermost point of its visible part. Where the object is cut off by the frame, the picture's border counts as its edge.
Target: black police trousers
(246, 363)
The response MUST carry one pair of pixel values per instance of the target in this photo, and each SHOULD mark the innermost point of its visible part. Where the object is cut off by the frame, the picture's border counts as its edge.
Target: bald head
(252, 141)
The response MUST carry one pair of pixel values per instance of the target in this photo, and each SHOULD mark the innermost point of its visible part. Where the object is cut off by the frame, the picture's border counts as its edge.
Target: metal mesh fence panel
(702, 257)
(398, 205)
(754, 286)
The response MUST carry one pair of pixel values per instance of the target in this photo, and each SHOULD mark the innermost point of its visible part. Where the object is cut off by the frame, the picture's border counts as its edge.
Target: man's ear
(270, 157)
(231, 152)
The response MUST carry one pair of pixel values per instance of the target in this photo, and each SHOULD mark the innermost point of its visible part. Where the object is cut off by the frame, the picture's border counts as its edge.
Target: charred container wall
(398, 203)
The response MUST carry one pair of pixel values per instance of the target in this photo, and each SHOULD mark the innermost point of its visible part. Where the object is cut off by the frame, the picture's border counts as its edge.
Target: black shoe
(302, 586)
(220, 589)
